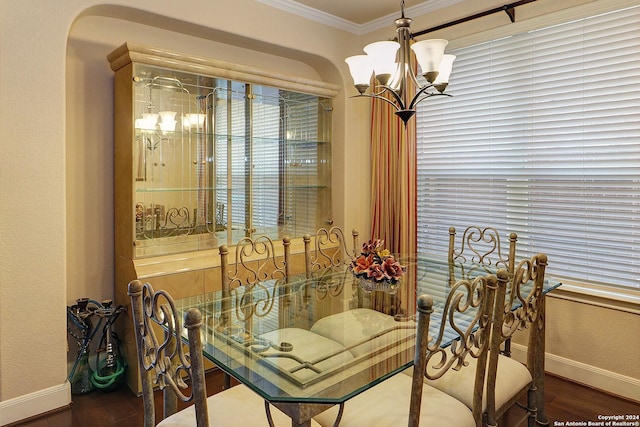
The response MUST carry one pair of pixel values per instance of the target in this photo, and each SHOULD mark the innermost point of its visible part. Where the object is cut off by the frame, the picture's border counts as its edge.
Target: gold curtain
(394, 197)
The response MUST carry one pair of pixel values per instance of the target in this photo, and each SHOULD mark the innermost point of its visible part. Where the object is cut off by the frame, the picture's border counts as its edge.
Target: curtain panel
(393, 188)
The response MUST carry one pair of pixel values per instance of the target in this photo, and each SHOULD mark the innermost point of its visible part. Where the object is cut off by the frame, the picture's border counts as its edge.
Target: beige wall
(56, 132)
(56, 178)
(596, 336)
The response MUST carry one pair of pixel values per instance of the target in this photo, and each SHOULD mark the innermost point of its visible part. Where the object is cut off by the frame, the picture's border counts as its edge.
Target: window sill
(627, 300)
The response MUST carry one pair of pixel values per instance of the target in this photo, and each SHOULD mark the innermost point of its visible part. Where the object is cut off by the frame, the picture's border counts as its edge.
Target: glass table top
(322, 339)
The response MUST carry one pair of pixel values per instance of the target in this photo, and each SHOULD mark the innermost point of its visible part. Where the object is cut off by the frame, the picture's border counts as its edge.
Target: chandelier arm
(382, 91)
(422, 90)
(376, 96)
(414, 78)
(416, 101)
(399, 105)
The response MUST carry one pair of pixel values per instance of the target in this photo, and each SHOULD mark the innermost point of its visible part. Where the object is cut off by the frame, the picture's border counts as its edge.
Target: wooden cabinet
(206, 153)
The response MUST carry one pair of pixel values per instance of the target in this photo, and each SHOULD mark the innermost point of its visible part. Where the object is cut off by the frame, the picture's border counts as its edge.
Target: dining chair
(464, 321)
(326, 254)
(243, 273)
(507, 379)
(179, 373)
(478, 250)
(329, 249)
(252, 262)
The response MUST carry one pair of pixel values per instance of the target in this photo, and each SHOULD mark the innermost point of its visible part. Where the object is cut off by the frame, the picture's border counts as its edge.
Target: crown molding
(312, 14)
(321, 17)
(411, 12)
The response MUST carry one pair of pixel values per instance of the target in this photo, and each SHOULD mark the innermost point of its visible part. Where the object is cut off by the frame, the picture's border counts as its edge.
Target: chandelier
(390, 62)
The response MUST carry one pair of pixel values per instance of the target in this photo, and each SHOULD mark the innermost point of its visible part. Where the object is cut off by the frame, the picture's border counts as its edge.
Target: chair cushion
(362, 325)
(511, 378)
(387, 405)
(306, 346)
(236, 406)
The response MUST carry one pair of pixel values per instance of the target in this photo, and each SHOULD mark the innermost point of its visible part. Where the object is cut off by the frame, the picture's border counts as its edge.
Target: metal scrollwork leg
(539, 371)
(507, 348)
(532, 409)
(267, 409)
(339, 417)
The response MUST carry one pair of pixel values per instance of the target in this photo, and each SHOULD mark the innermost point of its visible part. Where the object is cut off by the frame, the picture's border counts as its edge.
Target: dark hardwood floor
(565, 401)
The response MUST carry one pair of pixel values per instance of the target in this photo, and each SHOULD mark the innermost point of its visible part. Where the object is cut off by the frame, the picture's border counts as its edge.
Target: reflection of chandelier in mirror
(390, 62)
(149, 122)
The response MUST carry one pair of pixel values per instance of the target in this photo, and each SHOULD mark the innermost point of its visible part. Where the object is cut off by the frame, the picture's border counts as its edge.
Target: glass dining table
(313, 341)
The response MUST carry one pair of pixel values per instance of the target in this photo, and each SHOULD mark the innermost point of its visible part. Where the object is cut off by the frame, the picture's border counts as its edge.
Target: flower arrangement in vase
(377, 268)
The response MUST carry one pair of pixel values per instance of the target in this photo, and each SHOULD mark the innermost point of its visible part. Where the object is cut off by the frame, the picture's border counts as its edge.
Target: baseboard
(33, 404)
(42, 401)
(601, 379)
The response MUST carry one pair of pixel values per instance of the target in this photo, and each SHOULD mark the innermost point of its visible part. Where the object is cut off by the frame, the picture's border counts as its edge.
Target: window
(542, 138)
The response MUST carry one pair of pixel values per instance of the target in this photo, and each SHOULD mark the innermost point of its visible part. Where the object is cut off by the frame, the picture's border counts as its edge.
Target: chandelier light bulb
(167, 125)
(444, 72)
(167, 116)
(429, 55)
(361, 69)
(383, 57)
(148, 121)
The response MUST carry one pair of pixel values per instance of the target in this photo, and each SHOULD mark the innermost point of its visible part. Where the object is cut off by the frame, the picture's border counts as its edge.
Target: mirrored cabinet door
(214, 160)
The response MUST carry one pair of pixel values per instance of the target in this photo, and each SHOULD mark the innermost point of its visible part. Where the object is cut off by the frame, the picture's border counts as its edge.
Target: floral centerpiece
(376, 268)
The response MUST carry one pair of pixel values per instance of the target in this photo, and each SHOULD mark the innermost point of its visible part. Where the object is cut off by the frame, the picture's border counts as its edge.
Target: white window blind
(542, 138)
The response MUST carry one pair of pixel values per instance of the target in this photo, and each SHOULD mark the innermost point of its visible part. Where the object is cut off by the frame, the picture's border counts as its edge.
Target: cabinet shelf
(225, 189)
(177, 135)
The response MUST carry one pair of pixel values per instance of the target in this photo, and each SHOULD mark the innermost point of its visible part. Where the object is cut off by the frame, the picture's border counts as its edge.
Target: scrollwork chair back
(529, 314)
(161, 357)
(480, 249)
(244, 281)
(467, 318)
(324, 261)
(330, 249)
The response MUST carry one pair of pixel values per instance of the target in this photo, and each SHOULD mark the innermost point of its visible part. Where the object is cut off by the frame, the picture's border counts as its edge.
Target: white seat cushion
(387, 405)
(511, 378)
(234, 407)
(361, 325)
(306, 346)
